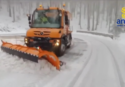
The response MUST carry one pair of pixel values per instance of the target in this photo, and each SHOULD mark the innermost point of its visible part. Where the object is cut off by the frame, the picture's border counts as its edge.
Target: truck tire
(28, 45)
(62, 48)
(70, 41)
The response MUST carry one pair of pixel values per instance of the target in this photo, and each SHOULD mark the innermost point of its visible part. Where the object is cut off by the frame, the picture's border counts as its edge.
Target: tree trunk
(88, 11)
(0, 4)
(110, 13)
(116, 13)
(9, 7)
(93, 18)
(85, 10)
(97, 14)
(13, 14)
(30, 7)
(103, 10)
(80, 14)
(50, 3)
(107, 16)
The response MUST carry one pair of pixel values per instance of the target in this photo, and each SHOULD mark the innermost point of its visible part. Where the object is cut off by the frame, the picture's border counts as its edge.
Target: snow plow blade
(30, 53)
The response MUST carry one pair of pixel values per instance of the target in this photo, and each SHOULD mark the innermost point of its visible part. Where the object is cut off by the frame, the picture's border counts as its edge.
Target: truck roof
(53, 8)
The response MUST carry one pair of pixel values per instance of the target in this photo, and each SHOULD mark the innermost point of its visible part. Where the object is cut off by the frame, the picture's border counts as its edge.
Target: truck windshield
(46, 19)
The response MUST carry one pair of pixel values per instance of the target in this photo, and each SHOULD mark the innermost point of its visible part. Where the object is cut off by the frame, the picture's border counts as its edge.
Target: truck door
(66, 22)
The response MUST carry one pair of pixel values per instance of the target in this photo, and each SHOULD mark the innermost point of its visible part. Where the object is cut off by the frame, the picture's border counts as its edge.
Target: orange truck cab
(49, 30)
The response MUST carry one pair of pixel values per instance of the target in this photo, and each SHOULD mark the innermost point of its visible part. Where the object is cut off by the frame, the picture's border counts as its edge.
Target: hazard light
(64, 5)
(40, 5)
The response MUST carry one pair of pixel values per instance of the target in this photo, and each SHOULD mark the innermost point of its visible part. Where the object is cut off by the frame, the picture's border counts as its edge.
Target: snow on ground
(6, 25)
(100, 64)
(9, 63)
(13, 64)
(92, 61)
(41, 72)
(121, 42)
(112, 59)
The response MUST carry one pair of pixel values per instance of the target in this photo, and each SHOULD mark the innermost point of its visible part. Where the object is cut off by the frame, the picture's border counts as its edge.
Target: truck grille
(42, 33)
(41, 39)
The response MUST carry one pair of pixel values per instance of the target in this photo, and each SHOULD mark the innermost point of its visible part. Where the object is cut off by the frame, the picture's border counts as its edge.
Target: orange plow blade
(30, 53)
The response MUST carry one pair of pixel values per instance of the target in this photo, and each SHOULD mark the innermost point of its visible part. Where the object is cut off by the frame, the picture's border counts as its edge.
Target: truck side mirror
(29, 22)
(66, 20)
(29, 17)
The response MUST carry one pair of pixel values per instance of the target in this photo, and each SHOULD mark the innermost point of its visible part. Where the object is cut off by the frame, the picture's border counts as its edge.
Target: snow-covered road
(105, 67)
(91, 62)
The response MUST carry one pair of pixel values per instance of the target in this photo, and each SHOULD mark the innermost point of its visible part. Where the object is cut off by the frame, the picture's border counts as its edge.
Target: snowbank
(7, 25)
(19, 65)
(121, 42)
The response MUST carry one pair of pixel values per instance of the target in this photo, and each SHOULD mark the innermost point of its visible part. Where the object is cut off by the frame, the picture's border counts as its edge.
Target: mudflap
(31, 53)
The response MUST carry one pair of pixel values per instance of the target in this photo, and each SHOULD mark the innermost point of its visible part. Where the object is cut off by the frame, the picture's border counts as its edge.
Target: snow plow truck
(48, 37)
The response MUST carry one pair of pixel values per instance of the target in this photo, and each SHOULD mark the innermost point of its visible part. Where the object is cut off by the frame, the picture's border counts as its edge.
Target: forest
(90, 15)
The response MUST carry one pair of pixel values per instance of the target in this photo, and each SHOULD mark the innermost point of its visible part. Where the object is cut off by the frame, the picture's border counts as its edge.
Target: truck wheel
(62, 48)
(70, 41)
(28, 45)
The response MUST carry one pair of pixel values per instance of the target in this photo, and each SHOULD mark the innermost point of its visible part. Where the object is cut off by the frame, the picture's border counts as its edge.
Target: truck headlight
(26, 40)
(57, 43)
(37, 48)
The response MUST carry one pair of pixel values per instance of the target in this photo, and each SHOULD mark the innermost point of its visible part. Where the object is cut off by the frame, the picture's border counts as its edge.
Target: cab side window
(66, 19)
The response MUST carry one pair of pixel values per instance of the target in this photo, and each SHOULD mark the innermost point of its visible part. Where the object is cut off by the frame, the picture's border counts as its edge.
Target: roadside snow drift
(14, 64)
(92, 61)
